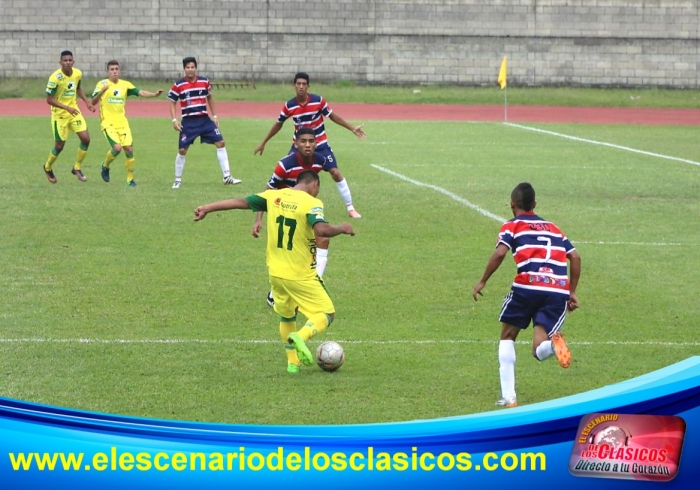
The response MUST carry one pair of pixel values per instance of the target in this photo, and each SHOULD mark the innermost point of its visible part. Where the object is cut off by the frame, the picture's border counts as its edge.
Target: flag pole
(505, 104)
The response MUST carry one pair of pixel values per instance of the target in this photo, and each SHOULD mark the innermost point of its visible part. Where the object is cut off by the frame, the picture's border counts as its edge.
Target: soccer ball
(330, 356)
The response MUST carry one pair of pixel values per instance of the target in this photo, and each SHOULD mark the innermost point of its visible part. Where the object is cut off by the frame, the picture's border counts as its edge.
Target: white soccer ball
(330, 355)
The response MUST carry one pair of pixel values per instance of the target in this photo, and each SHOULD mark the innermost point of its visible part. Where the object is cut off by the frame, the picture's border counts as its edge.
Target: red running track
(403, 112)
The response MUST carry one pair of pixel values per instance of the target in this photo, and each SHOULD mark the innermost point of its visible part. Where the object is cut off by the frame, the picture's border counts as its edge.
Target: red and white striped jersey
(540, 250)
(192, 96)
(308, 115)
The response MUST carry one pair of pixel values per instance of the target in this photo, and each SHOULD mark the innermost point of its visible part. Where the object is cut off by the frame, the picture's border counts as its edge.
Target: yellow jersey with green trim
(291, 244)
(64, 89)
(113, 101)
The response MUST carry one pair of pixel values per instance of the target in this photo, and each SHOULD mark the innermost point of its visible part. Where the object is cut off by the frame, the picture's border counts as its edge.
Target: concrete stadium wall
(548, 42)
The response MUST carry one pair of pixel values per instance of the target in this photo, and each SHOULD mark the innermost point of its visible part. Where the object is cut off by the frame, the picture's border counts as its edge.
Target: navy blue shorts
(521, 307)
(327, 154)
(198, 126)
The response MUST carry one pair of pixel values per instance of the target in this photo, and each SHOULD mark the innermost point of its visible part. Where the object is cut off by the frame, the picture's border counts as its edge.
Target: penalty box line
(489, 214)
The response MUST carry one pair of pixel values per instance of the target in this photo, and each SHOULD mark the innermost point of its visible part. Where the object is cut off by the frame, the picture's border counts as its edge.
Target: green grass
(344, 91)
(175, 310)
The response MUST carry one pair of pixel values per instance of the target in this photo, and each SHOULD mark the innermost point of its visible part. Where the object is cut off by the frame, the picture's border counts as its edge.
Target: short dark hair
(305, 130)
(523, 196)
(307, 177)
(303, 76)
(112, 63)
(189, 59)
(66, 53)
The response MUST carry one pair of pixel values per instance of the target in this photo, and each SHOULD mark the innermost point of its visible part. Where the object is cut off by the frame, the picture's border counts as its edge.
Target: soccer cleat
(302, 351)
(49, 175)
(561, 350)
(79, 174)
(293, 368)
(104, 172)
(354, 214)
(131, 183)
(270, 300)
(510, 402)
(231, 180)
(177, 184)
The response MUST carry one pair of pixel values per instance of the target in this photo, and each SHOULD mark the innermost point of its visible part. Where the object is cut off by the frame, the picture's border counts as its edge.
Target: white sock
(506, 361)
(545, 350)
(345, 193)
(321, 261)
(222, 155)
(179, 166)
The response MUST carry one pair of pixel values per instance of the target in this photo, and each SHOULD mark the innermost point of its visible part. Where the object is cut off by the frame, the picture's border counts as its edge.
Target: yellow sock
(130, 162)
(109, 158)
(314, 325)
(52, 158)
(287, 326)
(80, 158)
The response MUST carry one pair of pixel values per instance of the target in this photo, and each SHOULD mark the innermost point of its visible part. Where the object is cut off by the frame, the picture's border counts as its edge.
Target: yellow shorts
(309, 295)
(118, 135)
(61, 126)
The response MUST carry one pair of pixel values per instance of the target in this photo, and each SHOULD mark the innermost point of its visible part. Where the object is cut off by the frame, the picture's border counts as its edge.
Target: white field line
(449, 194)
(94, 341)
(601, 143)
(655, 244)
(488, 214)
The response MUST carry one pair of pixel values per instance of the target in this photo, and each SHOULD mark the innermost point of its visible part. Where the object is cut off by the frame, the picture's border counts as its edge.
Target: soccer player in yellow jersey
(294, 222)
(111, 93)
(62, 91)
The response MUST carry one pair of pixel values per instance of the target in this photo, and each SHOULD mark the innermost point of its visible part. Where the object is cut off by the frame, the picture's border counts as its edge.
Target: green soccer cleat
(293, 368)
(302, 351)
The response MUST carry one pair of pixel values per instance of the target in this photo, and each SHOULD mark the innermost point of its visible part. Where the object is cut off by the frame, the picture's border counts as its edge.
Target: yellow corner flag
(502, 74)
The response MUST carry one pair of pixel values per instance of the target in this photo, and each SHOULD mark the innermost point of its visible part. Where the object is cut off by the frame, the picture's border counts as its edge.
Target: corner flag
(502, 74)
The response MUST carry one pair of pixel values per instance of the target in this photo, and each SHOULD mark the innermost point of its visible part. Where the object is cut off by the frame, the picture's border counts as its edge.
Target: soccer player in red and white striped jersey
(309, 110)
(542, 291)
(193, 92)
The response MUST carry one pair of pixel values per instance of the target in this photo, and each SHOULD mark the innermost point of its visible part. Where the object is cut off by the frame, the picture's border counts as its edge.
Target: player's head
(190, 66)
(301, 85)
(523, 197)
(113, 68)
(67, 61)
(305, 141)
(309, 181)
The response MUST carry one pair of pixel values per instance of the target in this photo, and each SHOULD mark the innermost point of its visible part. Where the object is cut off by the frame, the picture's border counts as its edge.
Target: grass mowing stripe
(488, 214)
(601, 143)
(365, 342)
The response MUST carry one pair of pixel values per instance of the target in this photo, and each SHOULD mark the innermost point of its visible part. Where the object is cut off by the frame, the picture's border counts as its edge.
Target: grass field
(345, 91)
(115, 301)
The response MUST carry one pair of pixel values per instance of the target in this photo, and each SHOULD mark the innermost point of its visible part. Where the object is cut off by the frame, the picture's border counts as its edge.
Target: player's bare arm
(257, 226)
(146, 93)
(326, 230)
(574, 275)
(273, 131)
(173, 115)
(214, 117)
(201, 212)
(97, 97)
(493, 264)
(356, 130)
(50, 99)
(88, 103)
